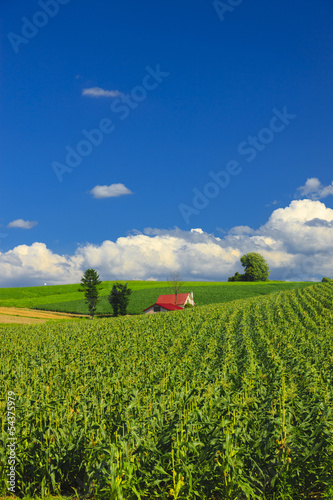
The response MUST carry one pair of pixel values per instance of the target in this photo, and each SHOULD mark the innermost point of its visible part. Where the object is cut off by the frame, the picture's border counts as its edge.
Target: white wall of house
(189, 299)
(152, 310)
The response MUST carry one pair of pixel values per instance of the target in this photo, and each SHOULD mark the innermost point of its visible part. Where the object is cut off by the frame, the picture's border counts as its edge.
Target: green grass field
(227, 401)
(66, 298)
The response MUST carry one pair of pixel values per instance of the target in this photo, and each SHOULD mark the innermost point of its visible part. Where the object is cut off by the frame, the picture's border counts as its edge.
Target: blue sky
(221, 76)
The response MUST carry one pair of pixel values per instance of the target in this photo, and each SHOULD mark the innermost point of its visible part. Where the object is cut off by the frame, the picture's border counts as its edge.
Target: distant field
(66, 298)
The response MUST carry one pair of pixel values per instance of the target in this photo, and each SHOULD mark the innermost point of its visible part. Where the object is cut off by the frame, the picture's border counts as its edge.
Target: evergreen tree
(119, 298)
(89, 285)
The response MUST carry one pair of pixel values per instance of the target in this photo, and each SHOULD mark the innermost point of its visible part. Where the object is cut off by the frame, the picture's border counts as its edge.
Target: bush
(237, 277)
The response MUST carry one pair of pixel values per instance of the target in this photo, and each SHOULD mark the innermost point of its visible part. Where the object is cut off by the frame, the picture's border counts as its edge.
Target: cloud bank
(296, 241)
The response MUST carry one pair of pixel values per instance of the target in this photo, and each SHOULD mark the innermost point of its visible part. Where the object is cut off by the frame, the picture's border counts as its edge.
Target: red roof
(170, 299)
(169, 307)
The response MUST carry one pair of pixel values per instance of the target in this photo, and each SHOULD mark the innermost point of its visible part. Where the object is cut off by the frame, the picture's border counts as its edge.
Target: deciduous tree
(256, 268)
(175, 283)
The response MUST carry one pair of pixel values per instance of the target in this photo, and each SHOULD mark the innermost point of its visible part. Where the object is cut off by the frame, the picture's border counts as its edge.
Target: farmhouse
(172, 302)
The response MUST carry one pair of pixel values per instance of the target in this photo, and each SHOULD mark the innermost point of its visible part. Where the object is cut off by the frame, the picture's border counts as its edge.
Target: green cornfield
(228, 401)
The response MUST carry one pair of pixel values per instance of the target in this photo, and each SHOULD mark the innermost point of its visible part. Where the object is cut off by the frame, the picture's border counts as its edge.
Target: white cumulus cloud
(23, 224)
(32, 265)
(98, 92)
(112, 191)
(315, 190)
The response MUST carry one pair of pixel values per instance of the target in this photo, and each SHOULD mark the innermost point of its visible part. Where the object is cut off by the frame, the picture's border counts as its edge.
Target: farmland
(66, 298)
(226, 401)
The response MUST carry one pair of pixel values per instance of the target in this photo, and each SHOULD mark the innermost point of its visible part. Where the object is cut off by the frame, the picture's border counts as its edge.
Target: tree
(176, 283)
(256, 268)
(326, 280)
(119, 298)
(89, 283)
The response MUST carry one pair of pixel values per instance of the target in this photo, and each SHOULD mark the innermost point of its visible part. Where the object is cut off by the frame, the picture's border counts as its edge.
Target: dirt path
(19, 320)
(30, 316)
